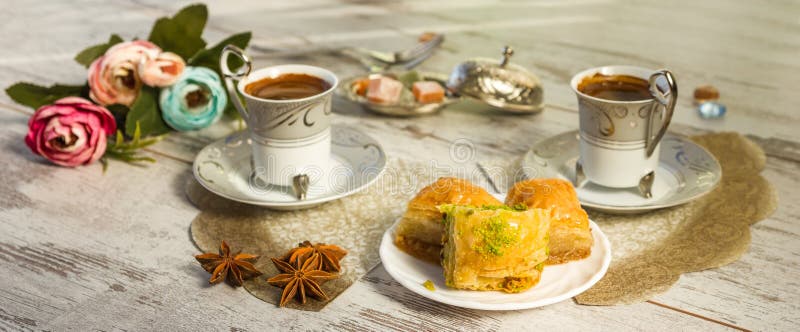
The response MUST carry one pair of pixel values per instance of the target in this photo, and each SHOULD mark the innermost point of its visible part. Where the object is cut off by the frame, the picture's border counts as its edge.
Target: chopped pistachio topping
(496, 235)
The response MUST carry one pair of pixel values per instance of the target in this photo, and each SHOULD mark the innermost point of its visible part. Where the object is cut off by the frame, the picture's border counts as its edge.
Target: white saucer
(558, 283)
(223, 167)
(686, 171)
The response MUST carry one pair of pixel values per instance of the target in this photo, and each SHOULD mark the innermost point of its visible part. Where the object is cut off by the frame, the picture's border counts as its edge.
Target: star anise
(236, 268)
(299, 281)
(330, 255)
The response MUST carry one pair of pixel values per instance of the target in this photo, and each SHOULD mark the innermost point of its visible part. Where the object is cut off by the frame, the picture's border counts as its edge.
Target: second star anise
(299, 281)
(236, 268)
(329, 255)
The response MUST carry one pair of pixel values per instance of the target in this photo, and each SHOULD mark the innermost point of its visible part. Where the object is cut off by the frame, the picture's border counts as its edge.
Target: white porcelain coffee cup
(619, 140)
(290, 138)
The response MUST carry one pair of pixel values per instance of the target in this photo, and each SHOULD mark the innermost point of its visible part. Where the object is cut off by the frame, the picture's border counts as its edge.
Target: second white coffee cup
(619, 139)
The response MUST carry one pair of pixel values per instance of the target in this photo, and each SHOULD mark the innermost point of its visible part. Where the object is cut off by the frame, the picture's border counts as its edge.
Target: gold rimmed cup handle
(667, 98)
(231, 76)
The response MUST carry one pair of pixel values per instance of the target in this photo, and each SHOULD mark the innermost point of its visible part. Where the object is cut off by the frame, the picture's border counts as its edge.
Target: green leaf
(231, 112)
(119, 145)
(209, 58)
(137, 134)
(181, 33)
(118, 109)
(128, 152)
(144, 111)
(119, 112)
(91, 53)
(35, 96)
(104, 161)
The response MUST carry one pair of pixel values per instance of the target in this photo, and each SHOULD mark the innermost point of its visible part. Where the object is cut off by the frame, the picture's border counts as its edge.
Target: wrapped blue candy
(195, 101)
(711, 110)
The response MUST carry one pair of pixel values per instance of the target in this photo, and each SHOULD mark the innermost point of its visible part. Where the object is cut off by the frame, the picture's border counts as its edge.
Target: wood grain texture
(83, 251)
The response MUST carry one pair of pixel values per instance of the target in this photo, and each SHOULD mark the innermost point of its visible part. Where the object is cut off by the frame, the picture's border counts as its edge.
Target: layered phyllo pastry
(494, 247)
(570, 235)
(419, 232)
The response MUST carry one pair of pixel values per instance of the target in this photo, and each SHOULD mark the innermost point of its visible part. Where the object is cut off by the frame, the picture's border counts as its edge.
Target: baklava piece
(494, 247)
(570, 235)
(420, 230)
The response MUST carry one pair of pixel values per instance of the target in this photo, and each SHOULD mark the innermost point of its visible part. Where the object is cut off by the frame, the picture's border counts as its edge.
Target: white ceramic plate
(558, 283)
(686, 171)
(223, 167)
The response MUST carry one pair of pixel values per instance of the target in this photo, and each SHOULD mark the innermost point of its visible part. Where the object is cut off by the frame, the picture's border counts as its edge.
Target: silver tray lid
(500, 84)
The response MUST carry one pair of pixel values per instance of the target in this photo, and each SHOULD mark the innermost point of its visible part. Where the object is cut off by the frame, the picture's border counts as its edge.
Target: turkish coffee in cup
(287, 86)
(615, 87)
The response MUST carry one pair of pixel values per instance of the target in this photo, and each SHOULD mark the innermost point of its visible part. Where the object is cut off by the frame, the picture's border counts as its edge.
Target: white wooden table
(83, 251)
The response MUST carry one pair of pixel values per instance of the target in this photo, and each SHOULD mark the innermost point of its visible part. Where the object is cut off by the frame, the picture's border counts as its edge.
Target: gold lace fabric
(650, 251)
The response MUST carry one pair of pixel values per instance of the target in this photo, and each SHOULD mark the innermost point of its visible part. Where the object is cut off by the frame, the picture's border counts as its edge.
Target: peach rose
(162, 70)
(70, 132)
(113, 77)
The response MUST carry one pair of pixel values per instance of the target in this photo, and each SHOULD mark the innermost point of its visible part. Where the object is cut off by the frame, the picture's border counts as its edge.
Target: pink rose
(113, 77)
(163, 70)
(70, 132)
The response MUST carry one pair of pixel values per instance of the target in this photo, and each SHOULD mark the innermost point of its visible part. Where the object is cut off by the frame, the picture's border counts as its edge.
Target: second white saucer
(686, 171)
